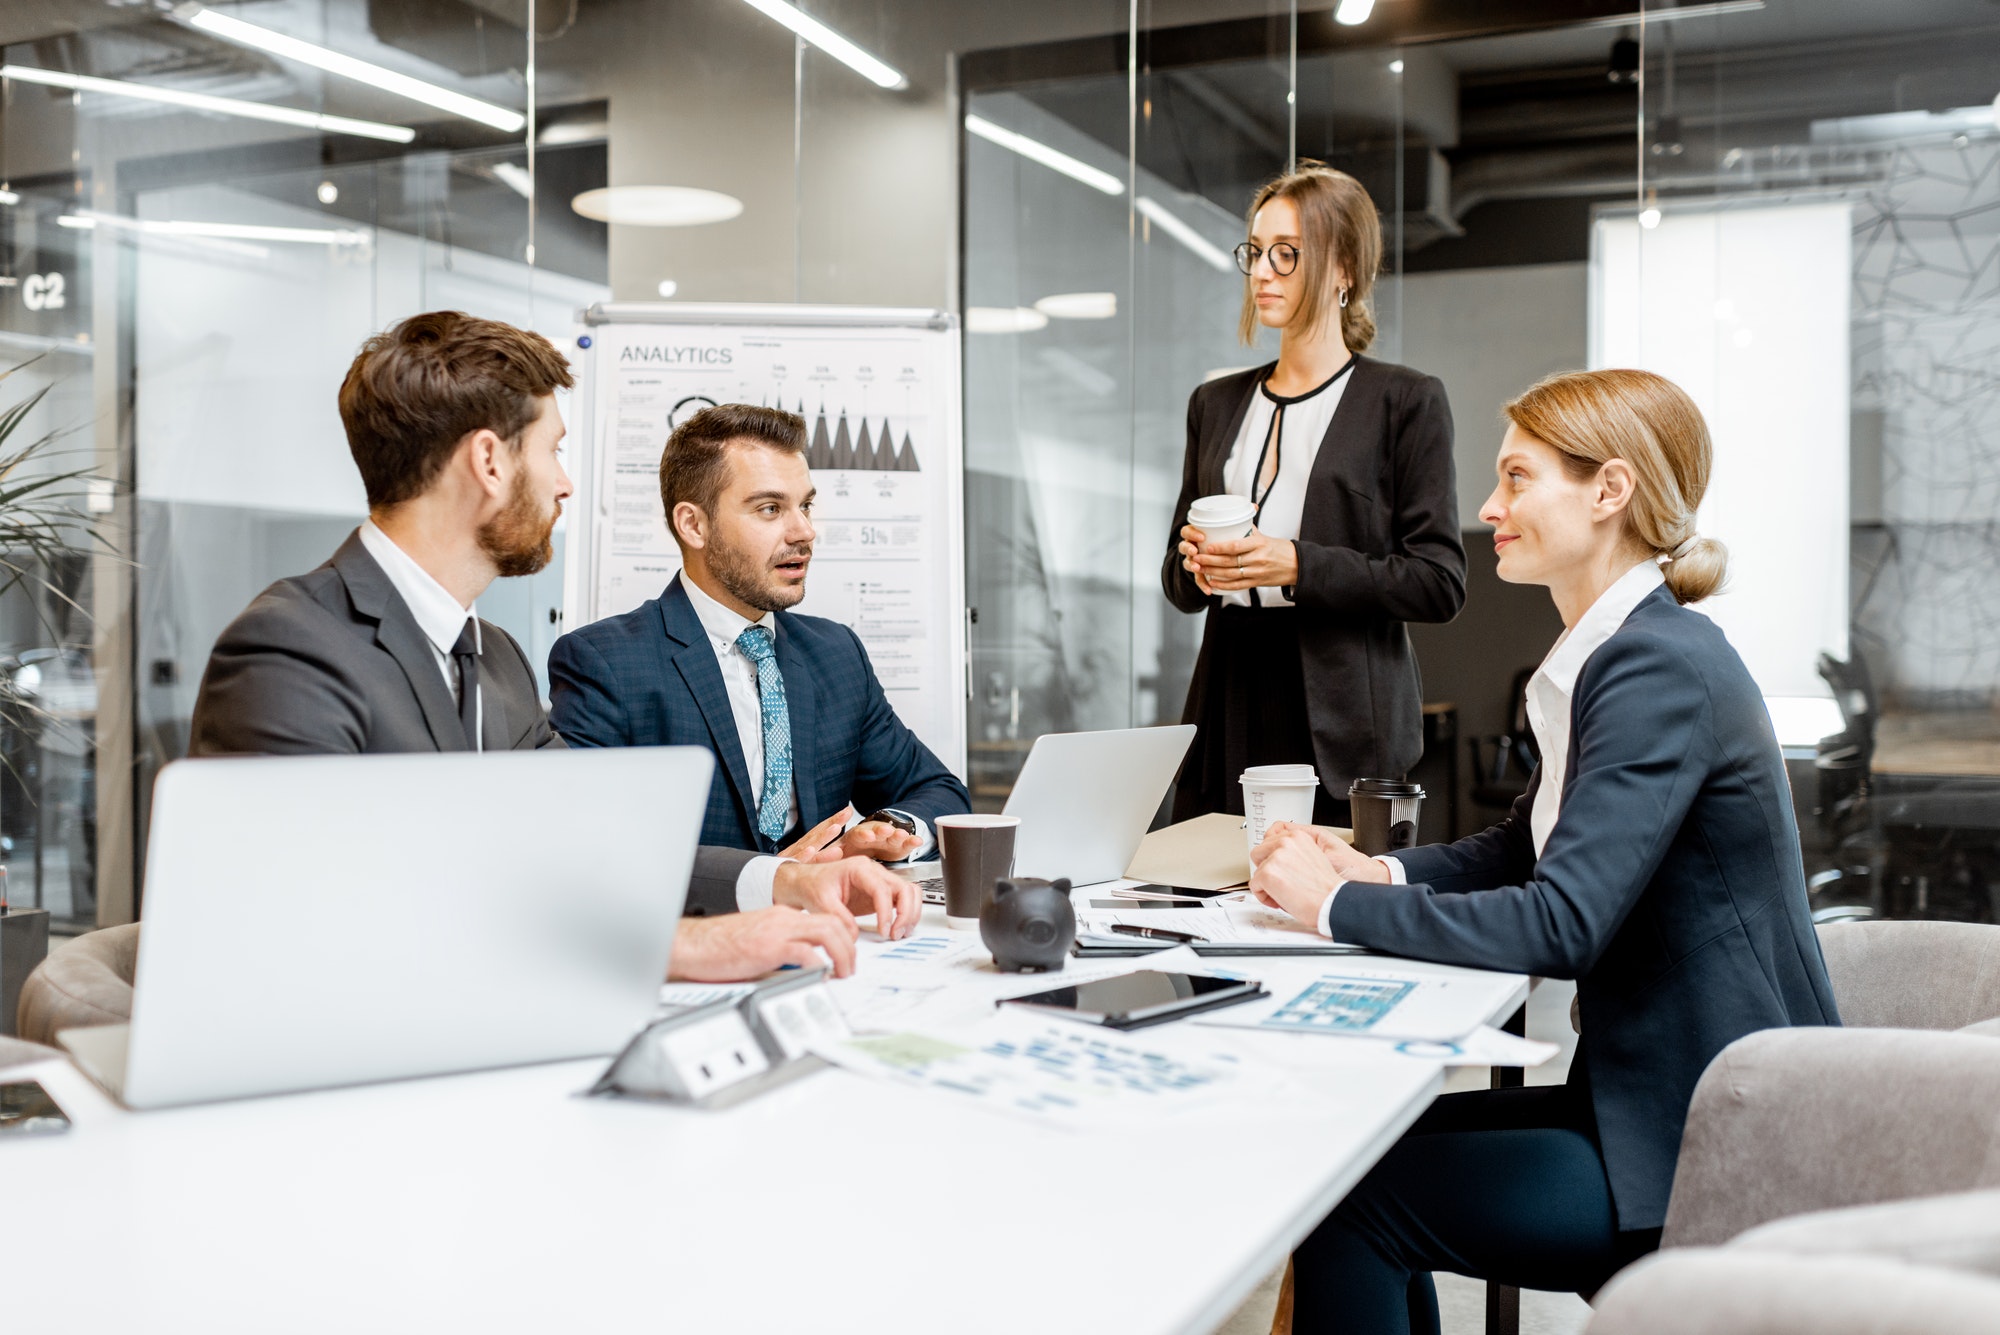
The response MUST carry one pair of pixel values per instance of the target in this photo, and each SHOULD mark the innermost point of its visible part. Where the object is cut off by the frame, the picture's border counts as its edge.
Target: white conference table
(502, 1201)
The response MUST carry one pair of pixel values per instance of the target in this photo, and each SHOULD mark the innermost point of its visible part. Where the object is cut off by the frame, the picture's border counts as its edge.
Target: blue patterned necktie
(755, 644)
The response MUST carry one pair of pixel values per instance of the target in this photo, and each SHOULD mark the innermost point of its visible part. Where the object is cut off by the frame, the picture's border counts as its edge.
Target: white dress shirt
(1304, 427)
(440, 616)
(1549, 692)
(746, 700)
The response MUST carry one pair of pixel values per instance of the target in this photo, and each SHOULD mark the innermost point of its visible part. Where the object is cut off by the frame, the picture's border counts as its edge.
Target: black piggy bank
(1028, 925)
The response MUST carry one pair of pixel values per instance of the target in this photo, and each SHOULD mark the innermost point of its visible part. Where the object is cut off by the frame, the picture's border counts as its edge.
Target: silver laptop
(333, 920)
(1085, 800)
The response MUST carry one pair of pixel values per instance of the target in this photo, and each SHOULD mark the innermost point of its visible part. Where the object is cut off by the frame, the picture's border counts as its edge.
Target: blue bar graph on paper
(1334, 1004)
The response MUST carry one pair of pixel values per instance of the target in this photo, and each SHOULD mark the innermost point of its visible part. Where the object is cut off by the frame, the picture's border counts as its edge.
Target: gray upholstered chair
(1913, 975)
(1737, 1291)
(1822, 1185)
(1791, 1120)
(84, 982)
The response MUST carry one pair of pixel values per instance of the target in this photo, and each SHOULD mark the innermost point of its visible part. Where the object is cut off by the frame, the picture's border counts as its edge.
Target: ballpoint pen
(1156, 933)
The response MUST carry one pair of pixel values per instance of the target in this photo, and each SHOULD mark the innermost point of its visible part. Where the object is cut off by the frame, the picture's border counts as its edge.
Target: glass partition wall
(1787, 208)
(187, 279)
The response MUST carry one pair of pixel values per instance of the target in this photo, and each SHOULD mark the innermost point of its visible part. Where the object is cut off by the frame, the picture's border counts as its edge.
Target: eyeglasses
(1284, 258)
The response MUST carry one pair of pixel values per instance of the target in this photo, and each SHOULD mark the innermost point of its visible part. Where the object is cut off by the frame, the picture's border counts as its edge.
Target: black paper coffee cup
(1385, 814)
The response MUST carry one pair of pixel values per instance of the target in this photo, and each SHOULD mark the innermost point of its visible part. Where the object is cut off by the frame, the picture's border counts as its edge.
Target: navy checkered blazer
(649, 678)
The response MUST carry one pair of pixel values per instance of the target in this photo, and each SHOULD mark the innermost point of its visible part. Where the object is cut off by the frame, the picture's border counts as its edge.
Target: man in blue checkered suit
(813, 762)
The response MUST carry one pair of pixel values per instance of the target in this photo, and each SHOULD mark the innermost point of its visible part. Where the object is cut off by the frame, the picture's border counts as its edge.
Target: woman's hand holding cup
(1252, 562)
(1192, 539)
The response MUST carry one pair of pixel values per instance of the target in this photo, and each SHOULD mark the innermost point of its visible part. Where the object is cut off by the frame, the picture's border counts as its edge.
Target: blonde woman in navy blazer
(1653, 859)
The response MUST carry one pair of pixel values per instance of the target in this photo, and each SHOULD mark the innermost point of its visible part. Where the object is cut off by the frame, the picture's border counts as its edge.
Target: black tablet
(1134, 1000)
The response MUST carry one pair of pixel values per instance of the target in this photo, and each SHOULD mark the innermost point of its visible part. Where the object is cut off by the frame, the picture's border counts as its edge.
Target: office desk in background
(503, 1201)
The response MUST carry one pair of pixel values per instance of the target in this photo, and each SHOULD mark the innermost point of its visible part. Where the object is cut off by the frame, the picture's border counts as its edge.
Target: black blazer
(1378, 546)
(1671, 888)
(333, 663)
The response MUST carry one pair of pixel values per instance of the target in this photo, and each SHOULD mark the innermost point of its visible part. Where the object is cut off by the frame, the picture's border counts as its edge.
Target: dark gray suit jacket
(1671, 888)
(333, 663)
(1379, 546)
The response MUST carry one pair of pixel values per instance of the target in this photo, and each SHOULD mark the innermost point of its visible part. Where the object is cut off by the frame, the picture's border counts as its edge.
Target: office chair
(1502, 762)
(1841, 762)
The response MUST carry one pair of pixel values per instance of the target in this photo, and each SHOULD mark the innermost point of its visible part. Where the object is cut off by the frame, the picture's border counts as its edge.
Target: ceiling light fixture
(1211, 254)
(327, 193)
(322, 236)
(1352, 12)
(1036, 151)
(515, 177)
(1004, 320)
(1708, 11)
(657, 205)
(278, 44)
(831, 42)
(668, 287)
(225, 106)
(9, 197)
(1079, 305)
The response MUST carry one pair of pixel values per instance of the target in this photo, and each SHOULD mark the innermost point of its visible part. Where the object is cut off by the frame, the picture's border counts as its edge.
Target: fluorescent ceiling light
(1673, 15)
(226, 106)
(1211, 254)
(515, 178)
(333, 62)
(1352, 12)
(1079, 305)
(1004, 320)
(324, 236)
(1036, 151)
(831, 42)
(657, 205)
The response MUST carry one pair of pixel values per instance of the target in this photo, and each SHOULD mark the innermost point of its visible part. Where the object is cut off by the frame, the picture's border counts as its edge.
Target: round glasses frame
(1283, 256)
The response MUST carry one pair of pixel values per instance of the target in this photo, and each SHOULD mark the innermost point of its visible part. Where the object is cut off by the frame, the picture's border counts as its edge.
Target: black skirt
(1248, 702)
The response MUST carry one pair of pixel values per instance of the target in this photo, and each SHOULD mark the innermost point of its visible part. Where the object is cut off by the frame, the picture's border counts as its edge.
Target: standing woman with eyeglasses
(1347, 461)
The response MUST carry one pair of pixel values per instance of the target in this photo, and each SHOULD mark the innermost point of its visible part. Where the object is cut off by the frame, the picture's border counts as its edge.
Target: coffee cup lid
(1386, 788)
(1222, 507)
(1280, 772)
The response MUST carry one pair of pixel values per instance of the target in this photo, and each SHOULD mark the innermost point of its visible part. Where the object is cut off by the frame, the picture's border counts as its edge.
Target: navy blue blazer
(649, 678)
(1671, 888)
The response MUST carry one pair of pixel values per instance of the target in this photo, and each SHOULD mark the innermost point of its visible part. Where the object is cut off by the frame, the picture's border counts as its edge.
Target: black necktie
(466, 654)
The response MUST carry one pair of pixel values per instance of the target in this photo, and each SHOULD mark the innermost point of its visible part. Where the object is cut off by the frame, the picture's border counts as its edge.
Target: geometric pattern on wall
(1926, 346)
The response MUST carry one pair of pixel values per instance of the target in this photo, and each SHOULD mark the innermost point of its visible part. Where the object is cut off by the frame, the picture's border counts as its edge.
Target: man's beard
(517, 539)
(745, 578)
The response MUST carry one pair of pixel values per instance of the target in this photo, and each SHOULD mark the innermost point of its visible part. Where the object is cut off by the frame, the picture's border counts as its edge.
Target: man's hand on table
(1298, 866)
(850, 888)
(732, 947)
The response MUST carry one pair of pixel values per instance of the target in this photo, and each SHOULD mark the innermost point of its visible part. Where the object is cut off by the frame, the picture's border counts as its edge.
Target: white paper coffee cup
(1223, 517)
(1267, 800)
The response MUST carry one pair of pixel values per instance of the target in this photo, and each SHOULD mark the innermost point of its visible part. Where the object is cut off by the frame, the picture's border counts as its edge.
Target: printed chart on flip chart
(879, 392)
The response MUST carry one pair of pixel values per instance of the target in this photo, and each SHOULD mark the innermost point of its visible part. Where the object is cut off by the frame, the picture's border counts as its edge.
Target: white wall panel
(1747, 309)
